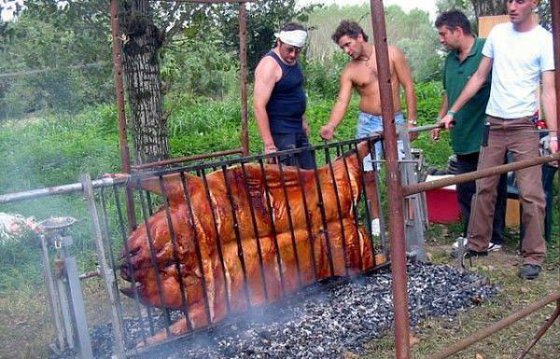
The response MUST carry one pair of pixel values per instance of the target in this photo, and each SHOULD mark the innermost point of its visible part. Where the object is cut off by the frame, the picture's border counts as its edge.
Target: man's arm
(339, 109)
(444, 106)
(471, 88)
(306, 128)
(265, 79)
(404, 76)
(548, 98)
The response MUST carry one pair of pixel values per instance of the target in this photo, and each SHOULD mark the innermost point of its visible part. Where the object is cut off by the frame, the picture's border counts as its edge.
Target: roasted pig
(245, 237)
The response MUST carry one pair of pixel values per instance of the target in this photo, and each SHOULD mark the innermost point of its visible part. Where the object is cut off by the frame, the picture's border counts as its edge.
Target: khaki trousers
(520, 138)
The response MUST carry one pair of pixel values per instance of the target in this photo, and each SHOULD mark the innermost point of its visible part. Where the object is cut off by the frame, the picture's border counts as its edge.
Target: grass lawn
(433, 335)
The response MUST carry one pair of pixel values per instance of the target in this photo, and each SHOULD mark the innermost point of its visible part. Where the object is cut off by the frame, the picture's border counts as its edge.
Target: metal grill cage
(213, 241)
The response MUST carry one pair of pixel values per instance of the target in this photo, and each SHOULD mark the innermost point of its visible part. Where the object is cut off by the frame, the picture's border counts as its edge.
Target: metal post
(396, 223)
(119, 92)
(78, 308)
(555, 10)
(414, 204)
(243, 58)
(105, 269)
(53, 300)
(65, 310)
(471, 176)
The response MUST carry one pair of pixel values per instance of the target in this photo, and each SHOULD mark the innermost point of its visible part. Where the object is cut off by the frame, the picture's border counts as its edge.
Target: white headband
(294, 37)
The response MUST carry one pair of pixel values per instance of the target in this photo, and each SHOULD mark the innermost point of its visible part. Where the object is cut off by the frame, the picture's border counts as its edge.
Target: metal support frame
(106, 270)
(77, 308)
(104, 235)
(396, 225)
(415, 206)
(397, 193)
(53, 299)
(66, 299)
(119, 95)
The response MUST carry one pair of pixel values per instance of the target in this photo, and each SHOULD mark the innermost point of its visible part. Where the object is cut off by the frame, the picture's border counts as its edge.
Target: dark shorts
(290, 141)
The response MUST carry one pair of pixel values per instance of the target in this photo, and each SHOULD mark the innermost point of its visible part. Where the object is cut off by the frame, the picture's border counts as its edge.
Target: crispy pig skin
(228, 278)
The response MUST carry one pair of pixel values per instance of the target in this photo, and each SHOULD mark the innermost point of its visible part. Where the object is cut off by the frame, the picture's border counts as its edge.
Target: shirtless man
(361, 74)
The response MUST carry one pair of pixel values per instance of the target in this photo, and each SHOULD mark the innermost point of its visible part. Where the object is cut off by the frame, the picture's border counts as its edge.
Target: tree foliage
(413, 32)
(489, 7)
(53, 58)
(51, 37)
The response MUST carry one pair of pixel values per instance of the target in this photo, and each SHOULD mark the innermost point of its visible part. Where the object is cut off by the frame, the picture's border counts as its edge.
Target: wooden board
(486, 23)
(513, 213)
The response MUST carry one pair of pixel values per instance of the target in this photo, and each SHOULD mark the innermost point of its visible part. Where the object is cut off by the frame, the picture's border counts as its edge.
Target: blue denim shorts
(368, 123)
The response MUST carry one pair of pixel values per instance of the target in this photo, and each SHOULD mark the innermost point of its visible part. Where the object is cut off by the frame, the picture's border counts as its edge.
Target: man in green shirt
(465, 53)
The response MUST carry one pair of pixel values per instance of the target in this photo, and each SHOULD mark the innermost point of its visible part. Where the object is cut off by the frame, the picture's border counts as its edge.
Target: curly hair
(348, 28)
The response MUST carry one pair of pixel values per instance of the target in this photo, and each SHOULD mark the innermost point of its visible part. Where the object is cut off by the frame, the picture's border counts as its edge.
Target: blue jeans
(367, 124)
(291, 141)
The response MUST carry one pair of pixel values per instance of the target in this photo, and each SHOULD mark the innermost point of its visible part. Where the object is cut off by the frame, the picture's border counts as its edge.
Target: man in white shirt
(520, 55)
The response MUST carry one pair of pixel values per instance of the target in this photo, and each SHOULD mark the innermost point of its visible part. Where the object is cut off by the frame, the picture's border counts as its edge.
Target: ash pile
(323, 321)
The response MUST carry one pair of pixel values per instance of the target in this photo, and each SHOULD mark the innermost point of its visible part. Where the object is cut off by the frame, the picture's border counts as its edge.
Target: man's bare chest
(365, 74)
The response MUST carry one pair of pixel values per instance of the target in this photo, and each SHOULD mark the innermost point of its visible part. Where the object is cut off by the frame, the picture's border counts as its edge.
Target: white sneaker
(375, 227)
(459, 239)
(492, 247)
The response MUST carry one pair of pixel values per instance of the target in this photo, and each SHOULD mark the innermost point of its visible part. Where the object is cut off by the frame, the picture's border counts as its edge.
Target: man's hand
(436, 131)
(327, 132)
(435, 134)
(270, 148)
(306, 128)
(447, 121)
(412, 135)
(553, 145)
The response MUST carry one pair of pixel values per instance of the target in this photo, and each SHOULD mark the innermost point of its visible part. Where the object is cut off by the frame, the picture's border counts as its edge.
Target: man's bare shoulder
(395, 54)
(266, 62)
(266, 67)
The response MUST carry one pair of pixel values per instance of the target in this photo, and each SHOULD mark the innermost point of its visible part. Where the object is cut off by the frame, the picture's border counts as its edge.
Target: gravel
(323, 321)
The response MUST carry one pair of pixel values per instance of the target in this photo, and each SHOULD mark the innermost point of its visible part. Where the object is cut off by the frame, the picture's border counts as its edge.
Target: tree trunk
(489, 7)
(142, 75)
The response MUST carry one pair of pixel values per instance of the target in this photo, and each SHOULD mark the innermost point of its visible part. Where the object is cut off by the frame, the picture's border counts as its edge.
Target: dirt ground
(514, 294)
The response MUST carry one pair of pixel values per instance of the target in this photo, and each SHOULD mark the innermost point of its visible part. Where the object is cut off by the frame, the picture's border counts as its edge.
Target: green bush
(322, 75)
(203, 71)
(429, 96)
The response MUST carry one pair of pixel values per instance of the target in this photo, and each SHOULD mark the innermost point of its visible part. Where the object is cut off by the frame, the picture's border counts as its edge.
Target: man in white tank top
(520, 55)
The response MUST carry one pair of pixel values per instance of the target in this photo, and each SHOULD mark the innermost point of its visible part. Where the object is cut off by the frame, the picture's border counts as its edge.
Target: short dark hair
(453, 19)
(348, 28)
(291, 26)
